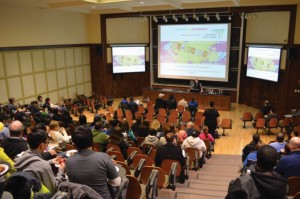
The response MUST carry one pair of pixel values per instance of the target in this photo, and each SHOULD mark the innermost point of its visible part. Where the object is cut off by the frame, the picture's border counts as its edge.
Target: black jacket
(14, 146)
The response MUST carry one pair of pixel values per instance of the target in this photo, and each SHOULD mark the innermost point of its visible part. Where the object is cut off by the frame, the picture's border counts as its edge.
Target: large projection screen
(194, 51)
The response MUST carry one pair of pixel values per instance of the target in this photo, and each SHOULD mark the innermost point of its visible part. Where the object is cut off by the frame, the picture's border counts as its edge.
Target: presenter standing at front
(196, 86)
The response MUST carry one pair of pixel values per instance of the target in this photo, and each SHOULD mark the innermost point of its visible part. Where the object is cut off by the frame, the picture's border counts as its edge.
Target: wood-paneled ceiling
(122, 6)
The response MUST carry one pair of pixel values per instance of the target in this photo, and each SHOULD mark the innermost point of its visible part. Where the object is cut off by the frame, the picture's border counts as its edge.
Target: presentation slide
(263, 63)
(194, 51)
(128, 59)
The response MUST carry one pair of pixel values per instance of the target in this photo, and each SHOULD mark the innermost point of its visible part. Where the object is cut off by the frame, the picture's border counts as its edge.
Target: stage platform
(222, 100)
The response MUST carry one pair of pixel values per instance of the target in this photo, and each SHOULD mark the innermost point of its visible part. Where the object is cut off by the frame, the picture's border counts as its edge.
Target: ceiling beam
(236, 2)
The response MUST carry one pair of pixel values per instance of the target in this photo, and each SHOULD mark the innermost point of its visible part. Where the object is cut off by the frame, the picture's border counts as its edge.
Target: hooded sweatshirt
(258, 186)
(33, 162)
(151, 139)
(194, 143)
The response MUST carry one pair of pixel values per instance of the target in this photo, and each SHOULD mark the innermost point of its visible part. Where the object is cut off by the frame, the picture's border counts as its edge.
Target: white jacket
(194, 143)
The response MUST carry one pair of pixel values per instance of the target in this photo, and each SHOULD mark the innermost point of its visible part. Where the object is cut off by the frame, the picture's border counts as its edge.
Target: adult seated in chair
(11, 106)
(211, 119)
(183, 102)
(279, 143)
(91, 168)
(99, 136)
(250, 147)
(289, 164)
(132, 106)
(170, 151)
(194, 141)
(160, 102)
(252, 157)
(262, 181)
(266, 108)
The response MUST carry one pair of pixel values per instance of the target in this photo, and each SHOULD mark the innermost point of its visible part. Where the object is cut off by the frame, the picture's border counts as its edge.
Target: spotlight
(194, 16)
(155, 19)
(229, 18)
(217, 15)
(183, 16)
(207, 18)
(176, 20)
(186, 19)
(174, 17)
(197, 18)
(205, 15)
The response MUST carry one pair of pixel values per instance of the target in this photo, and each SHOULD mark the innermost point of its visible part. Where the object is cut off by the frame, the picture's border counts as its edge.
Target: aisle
(210, 182)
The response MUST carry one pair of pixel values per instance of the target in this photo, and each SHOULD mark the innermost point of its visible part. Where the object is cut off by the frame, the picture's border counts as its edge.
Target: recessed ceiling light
(93, 6)
(142, 2)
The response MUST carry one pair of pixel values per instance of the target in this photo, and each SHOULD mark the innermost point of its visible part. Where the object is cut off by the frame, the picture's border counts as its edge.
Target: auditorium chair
(273, 123)
(226, 124)
(260, 124)
(247, 117)
(294, 185)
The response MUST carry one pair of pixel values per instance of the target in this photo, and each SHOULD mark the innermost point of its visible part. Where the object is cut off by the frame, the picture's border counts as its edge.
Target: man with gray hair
(15, 144)
(289, 164)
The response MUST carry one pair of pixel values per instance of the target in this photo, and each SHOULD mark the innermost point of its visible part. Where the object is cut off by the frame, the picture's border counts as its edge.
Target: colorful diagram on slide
(128, 60)
(194, 52)
(263, 64)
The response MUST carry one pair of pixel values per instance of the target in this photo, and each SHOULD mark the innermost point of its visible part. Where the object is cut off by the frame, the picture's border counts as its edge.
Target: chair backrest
(162, 111)
(125, 166)
(119, 156)
(161, 119)
(198, 121)
(107, 117)
(149, 104)
(166, 166)
(172, 119)
(138, 157)
(111, 110)
(138, 114)
(114, 146)
(199, 114)
(69, 147)
(149, 116)
(207, 144)
(145, 174)
(258, 115)
(131, 149)
(297, 196)
(247, 116)
(152, 154)
(147, 148)
(151, 187)
(173, 112)
(180, 108)
(128, 114)
(140, 140)
(273, 123)
(141, 109)
(133, 185)
(226, 124)
(151, 110)
(294, 185)
(193, 153)
(260, 123)
(296, 121)
(122, 189)
(119, 113)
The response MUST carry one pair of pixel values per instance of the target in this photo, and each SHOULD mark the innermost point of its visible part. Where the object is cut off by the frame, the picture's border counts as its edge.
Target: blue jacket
(289, 165)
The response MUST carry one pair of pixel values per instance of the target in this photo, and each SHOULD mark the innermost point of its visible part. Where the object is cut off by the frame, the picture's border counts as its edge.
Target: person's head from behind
(266, 158)
(280, 137)
(131, 99)
(205, 129)
(98, 125)
(116, 135)
(295, 144)
(40, 98)
(37, 140)
(82, 137)
(16, 129)
(211, 104)
(82, 120)
(155, 124)
(153, 132)
(256, 138)
(259, 145)
(47, 100)
(18, 186)
(193, 99)
(138, 119)
(54, 125)
(170, 138)
(195, 133)
(146, 123)
(125, 126)
(97, 118)
(266, 102)
(11, 100)
(189, 125)
(41, 126)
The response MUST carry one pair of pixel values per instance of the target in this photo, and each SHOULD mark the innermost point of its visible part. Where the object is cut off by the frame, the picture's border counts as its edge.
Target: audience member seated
(112, 124)
(289, 164)
(58, 134)
(15, 144)
(127, 132)
(4, 131)
(279, 143)
(211, 119)
(40, 102)
(34, 110)
(262, 182)
(91, 168)
(5, 158)
(252, 157)
(135, 126)
(272, 114)
(189, 128)
(250, 147)
(194, 141)
(171, 102)
(171, 151)
(183, 102)
(144, 129)
(11, 106)
(180, 133)
(160, 102)
(48, 105)
(99, 136)
(204, 135)
(32, 162)
(151, 138)
(83, 121)
(266, 108)
(156, 125)
(117, 138)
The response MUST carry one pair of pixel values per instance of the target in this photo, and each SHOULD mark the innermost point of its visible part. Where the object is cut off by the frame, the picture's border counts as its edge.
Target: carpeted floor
(209, 182)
